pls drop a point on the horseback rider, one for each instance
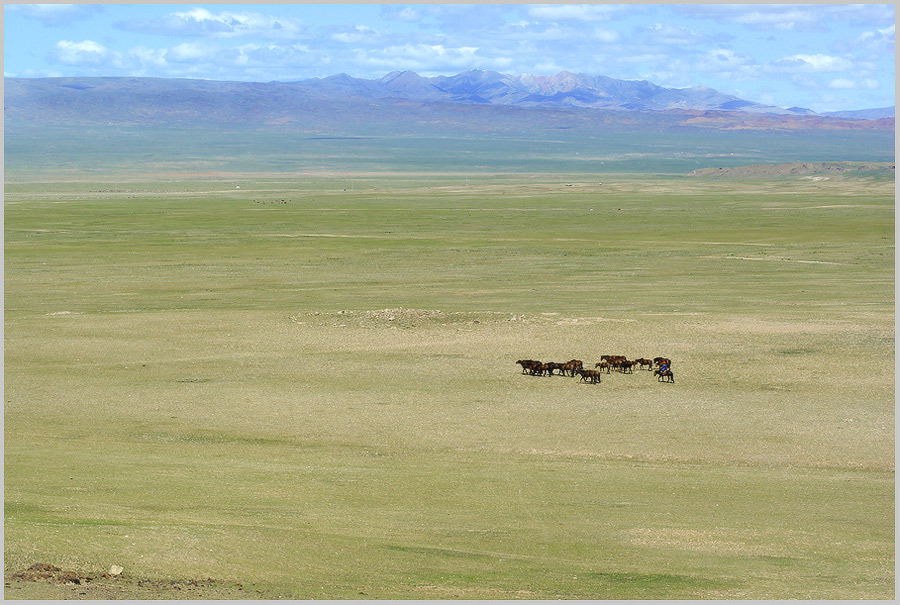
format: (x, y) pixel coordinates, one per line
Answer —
(664, 367)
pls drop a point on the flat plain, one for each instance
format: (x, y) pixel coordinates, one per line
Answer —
(304, 385)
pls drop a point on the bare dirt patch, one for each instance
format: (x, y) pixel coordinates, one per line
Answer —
(402, 318)
(44, 572)
(758, 326)
(46, 581)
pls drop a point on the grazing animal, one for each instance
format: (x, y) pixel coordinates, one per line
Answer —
(603, 365)
(664, 376)
(540, 369)
(658, 361)
(551, 365)
(592, 376)
(572, 366)
(643, 361)
(620, 364)
(525, 363)
(528, 365)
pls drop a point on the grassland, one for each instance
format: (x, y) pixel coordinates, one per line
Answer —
(307, 385)
(582, 147)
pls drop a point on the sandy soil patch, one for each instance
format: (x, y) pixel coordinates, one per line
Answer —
(776, 259)
(698, 540)
(760, 326)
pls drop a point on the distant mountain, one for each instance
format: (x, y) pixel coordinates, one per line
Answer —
(565, 89)
(863, 114)
(476, 99)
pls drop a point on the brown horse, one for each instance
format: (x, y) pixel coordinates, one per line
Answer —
(664, 376)
(592, 376)
(526, 364)
(602, 365)
(572, 366)
(552, 365)
(541, 369)
(643, 361)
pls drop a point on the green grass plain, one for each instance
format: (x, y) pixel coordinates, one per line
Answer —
(308, 384)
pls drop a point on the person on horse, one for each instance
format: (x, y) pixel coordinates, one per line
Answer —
(663, 367)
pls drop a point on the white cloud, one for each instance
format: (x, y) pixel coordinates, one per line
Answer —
(39, 73)
(812, 64)
(668, 79)
(880, 40)
(790, 17)
(144, 57)
(847, 84)
(871, 84)
(547, 66)
(726, 64)
(358, 34)
(540, 33)
(259, 62)
(669, 35)
(225, 24)
(723, 58)
(189, 51)
(86, 52)
(55, 14)
(400, 13)
(778, 17)
(842, 83)
(778, 20)
(575, 12)
(420, 57)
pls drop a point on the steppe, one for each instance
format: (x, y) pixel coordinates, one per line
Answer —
(303, 385)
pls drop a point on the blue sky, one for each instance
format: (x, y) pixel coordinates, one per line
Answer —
(826, 57)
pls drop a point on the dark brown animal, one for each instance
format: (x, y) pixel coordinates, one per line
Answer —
(592, 376)
(551, 365)
(526, 364)
(541, 369)
(572, 366)
(665, 376)
(532, 366)
(620, 364)
(643, 361)
(602, 365)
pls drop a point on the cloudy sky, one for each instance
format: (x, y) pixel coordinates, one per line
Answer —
(825, 57)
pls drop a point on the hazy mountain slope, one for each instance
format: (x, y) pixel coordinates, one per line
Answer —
(863, 114)
(400, 101)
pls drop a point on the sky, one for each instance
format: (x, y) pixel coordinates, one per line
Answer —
(824, 57)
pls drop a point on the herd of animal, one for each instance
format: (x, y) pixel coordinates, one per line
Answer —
(607, 363)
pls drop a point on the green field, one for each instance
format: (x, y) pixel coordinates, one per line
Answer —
(580, 147)
(306, 384)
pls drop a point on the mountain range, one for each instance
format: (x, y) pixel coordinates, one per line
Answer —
(336, 99)
(565, 89)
